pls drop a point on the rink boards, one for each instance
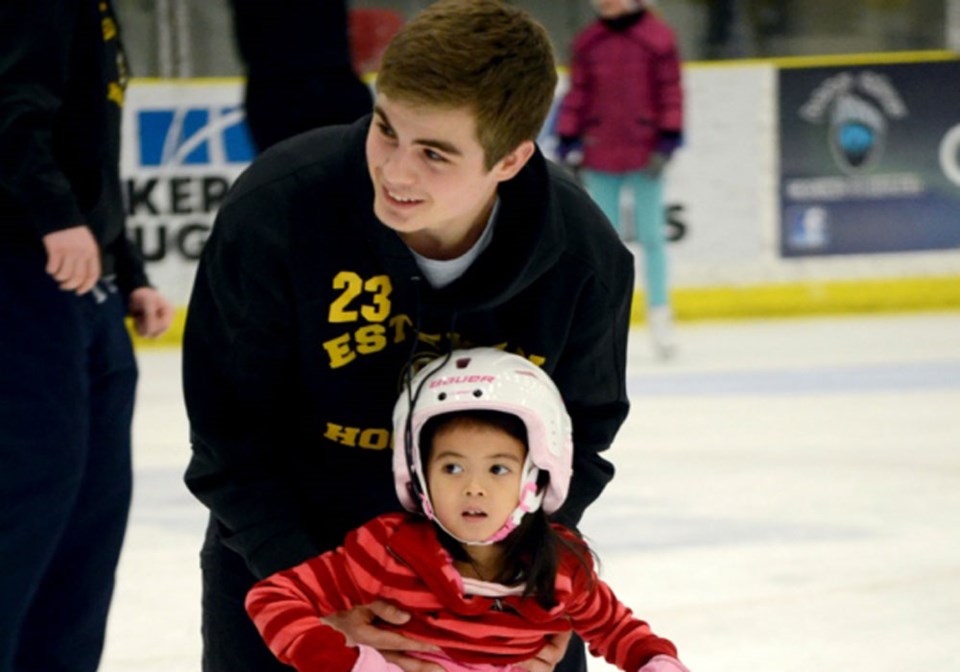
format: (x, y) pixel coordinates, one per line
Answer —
(767, 214)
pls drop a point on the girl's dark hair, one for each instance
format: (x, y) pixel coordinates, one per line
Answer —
(533, 550)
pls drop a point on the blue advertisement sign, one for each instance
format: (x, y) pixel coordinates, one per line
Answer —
(869, 158)
(193, 136)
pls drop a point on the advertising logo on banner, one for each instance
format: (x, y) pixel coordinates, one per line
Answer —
(183, 148)
(185, 136)
(870, 159)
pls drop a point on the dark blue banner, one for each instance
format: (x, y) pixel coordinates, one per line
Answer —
(869, 158)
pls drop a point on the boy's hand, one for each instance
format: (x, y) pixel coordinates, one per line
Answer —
(73, 258)
(359, 627)
(549, 655)
(152, 313)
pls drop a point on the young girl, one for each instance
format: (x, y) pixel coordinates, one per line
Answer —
(624, 115)
(486, 455)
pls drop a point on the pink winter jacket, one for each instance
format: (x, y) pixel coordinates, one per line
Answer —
(624, 92)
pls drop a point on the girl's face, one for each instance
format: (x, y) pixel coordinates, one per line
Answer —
(473, 476)
(611, 9)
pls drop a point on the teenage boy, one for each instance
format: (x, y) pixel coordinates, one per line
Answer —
(348, 254)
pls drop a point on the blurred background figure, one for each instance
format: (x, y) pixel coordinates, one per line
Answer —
(298, 65)
(621, 122)
(370, 31)
(68, 276)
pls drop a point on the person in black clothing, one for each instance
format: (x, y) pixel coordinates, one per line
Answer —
(68, 276)
(299, 74)
(346, 256)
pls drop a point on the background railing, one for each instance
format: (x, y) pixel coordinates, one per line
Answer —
(179, 38)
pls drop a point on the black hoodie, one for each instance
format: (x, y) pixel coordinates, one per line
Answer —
(306, 310)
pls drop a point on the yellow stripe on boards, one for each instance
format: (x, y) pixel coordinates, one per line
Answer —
(810, 298)
(833, 60)
(756, 301)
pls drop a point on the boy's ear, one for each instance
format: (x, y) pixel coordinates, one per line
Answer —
(511, 164)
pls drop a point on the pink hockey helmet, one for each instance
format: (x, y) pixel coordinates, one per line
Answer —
(493, 380)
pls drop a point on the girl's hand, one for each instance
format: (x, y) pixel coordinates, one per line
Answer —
(664, 663)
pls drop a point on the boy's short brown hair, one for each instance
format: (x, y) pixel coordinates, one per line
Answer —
(485, 55)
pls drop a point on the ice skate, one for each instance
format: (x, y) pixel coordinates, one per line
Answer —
(660, 321)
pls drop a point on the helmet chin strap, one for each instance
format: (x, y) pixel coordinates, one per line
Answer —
(530, 501)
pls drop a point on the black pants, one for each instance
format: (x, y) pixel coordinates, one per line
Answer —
(231, 643)
(278, 108)
(67, 383)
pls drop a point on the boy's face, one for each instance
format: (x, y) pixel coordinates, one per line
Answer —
(430, 183)
(473, 476)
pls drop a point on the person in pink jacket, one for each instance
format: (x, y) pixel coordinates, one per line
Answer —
(620, 123)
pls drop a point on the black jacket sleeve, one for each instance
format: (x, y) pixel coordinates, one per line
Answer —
(591, 376)
(36, 49)
(240, 385)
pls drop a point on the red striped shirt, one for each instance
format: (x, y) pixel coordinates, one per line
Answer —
(398, 558)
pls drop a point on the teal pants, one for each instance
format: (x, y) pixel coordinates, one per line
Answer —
(648, 220)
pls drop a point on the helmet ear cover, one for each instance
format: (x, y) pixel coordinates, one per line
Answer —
(486, 379)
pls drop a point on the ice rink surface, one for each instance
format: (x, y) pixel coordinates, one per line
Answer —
(787, 499)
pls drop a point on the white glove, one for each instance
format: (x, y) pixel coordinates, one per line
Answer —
(663, 663)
